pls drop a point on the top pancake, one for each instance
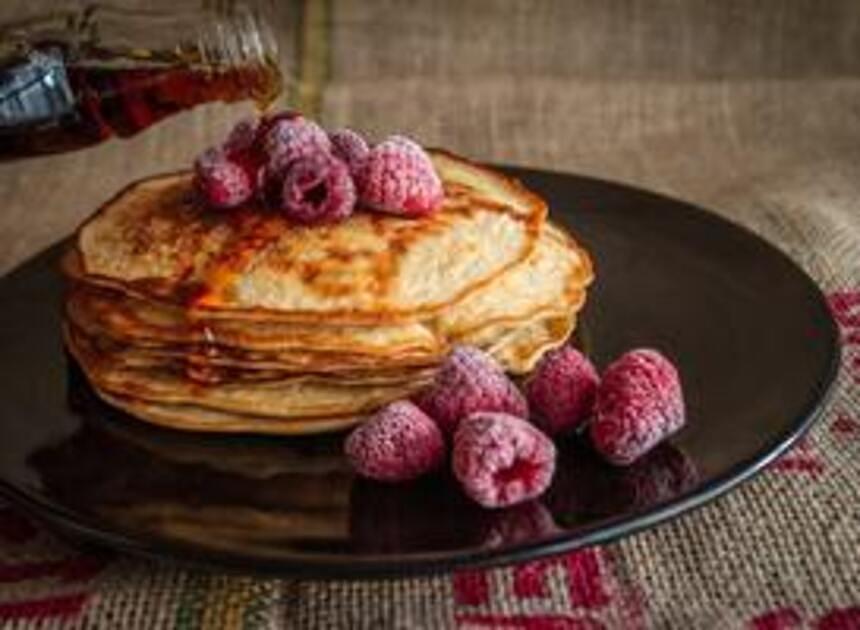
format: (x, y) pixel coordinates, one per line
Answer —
(153, 241)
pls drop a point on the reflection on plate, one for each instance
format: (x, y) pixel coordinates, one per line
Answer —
(300, 494)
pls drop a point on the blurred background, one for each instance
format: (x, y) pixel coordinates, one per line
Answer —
(752, 108)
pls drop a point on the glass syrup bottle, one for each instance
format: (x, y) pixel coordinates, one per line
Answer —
(75, 78)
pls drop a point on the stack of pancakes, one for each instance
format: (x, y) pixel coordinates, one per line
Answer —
(241, 321)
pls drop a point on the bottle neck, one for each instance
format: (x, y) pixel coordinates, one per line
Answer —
(237, 36)
(240, 39)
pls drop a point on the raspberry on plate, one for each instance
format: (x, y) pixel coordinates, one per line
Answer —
(639, 404)
(221, 181)
(317, 189)
(289, 138)
(398, 177)
(469, 380)
(398, 443)
(562, 390)
(350, 147)
(502, 460)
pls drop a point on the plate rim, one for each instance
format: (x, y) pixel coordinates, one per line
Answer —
(379, 566)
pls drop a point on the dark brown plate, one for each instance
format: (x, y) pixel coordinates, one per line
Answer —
(751, 334)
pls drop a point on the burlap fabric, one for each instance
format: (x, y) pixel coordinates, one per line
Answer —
(749, 108)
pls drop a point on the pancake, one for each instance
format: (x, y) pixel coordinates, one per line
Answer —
(524, 348)
(287, 398)
(208, 370)
(219, 364)
(555, 275)
(240, 321)
(200, 419)
(218, 356)
(186, 417)
(153, 241)
(146, 323)
(304, 397)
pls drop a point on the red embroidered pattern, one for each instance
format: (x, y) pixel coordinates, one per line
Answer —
(63, 606)
(592, 598)
(846, 310)
(780, 619)
(792, 619)
(800, 459)
(42, 586)
(844, 425)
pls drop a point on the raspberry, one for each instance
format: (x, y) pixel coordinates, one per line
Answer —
(350, 147)
(562, 389)
(222, 181)
(289, 138)
(398, 177)
(399, 443)
(241, 147)
(318, 189)
(502, 460)
(468, 381)
(267, 122)
(639, 403)
(241, 138)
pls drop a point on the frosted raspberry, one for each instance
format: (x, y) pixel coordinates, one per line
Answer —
(291, 138)
(469, 380)
(350, 147)
(639, 403)
(268, 121)
(317, 189)
(397, 444)
(562, 389)
(241, 147)
(241, 138)
(398, 177)
(502, 460)
(221, 181)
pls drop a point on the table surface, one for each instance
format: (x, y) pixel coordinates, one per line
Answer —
(746, 108)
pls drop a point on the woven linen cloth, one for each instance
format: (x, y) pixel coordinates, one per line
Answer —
(751, 109)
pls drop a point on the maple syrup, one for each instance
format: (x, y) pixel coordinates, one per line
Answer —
(62, 90)
(109, 100)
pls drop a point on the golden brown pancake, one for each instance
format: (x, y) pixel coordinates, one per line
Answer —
(154, 241)
(242, 322)
(553, 276)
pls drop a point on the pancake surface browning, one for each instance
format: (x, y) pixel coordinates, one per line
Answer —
(251, 263)
(240, 321)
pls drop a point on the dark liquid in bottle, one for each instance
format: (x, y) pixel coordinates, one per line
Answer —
(77, 103)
